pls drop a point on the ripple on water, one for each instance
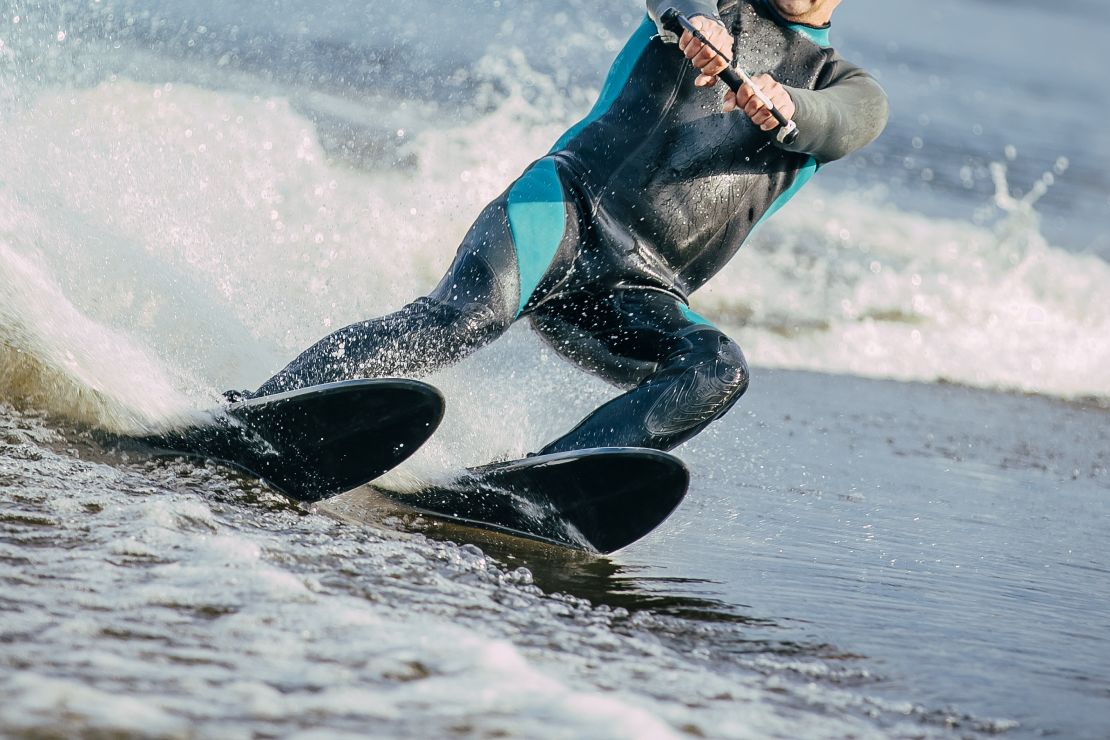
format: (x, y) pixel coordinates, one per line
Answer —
(167, 599)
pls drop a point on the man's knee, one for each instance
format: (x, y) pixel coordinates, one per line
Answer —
(704, 380)
(477, 321)
(720, 362)
(718, 373)
(474, 297)
(458, 323)
(732, 368)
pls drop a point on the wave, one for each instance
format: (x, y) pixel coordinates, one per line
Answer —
(847, 283)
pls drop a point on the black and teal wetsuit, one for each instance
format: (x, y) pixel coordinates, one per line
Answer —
(600, 242)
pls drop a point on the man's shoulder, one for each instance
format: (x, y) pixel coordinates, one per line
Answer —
(837, 69)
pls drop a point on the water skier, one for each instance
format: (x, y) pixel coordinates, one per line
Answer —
(600, 242)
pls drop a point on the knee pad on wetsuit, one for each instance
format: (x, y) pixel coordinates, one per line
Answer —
(477, 318)
(466, 322)
(713, 351)
(711, 375)
(474, 290)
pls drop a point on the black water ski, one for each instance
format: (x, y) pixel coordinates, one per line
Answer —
(601, 499)
(315, 442)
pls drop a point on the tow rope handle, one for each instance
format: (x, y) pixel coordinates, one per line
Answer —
(734, 77)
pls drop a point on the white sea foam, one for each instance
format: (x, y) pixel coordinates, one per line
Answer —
(162, 242)
(844, 283)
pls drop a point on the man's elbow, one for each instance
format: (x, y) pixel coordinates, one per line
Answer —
(876, 118)
(857, 130)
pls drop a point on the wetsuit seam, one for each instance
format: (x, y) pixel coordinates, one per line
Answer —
(596, 201)
(497, 282)
(669, 292)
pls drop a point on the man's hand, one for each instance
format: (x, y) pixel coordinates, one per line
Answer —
(704, 59)
(754, 108)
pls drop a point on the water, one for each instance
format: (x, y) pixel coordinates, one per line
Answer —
(190, 193)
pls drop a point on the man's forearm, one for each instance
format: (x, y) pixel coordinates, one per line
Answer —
(689, 8)
(837, 120)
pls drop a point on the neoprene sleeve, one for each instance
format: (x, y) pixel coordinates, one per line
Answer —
(847, 114)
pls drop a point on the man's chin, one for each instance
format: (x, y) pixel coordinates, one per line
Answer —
(794, 9)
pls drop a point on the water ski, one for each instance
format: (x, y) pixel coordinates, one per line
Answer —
(598, 500)
(315, 442)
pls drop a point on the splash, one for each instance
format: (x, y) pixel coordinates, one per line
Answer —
(55, 358)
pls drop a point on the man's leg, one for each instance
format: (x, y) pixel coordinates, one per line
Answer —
(473, 304)
(687, 372)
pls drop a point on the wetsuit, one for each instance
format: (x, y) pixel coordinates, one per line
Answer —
(600, 242)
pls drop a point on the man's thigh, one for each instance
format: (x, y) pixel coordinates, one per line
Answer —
(622, 335)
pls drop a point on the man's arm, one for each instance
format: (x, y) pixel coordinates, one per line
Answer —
(689, 8)
(845, 115)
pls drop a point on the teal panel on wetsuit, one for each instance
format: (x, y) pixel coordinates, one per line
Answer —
(804, 174)
(536, 205)
(819, 36)
(615, 80)
(693, 316)
(537, 218)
